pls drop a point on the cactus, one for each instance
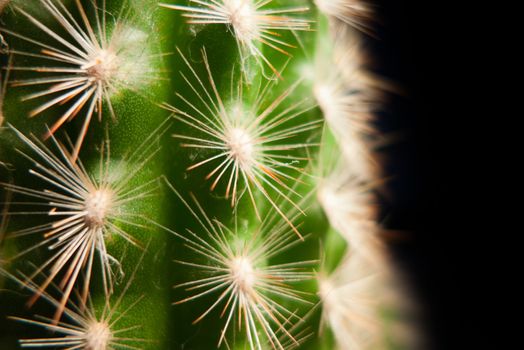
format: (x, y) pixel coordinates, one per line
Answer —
(191, 175)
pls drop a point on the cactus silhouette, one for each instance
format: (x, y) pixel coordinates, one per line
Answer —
(191, 174)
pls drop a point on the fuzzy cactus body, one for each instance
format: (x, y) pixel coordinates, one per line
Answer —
(190, 175)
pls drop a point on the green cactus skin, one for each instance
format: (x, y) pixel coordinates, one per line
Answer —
(307, 179)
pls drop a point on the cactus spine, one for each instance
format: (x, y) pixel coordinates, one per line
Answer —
(224, 147)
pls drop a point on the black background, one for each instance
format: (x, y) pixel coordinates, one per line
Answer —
(416, 46)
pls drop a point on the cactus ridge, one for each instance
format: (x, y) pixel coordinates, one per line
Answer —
(85, 210)
(356, 13)
(249, 286)
(252, 144)
(252, 23)
(86, 68)
(82, 327)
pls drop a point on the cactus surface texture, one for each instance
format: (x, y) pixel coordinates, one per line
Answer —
(191, 174)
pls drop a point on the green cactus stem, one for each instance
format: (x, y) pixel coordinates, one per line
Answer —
(190, 175)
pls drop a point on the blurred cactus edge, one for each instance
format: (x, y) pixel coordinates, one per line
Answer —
(193, 174)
